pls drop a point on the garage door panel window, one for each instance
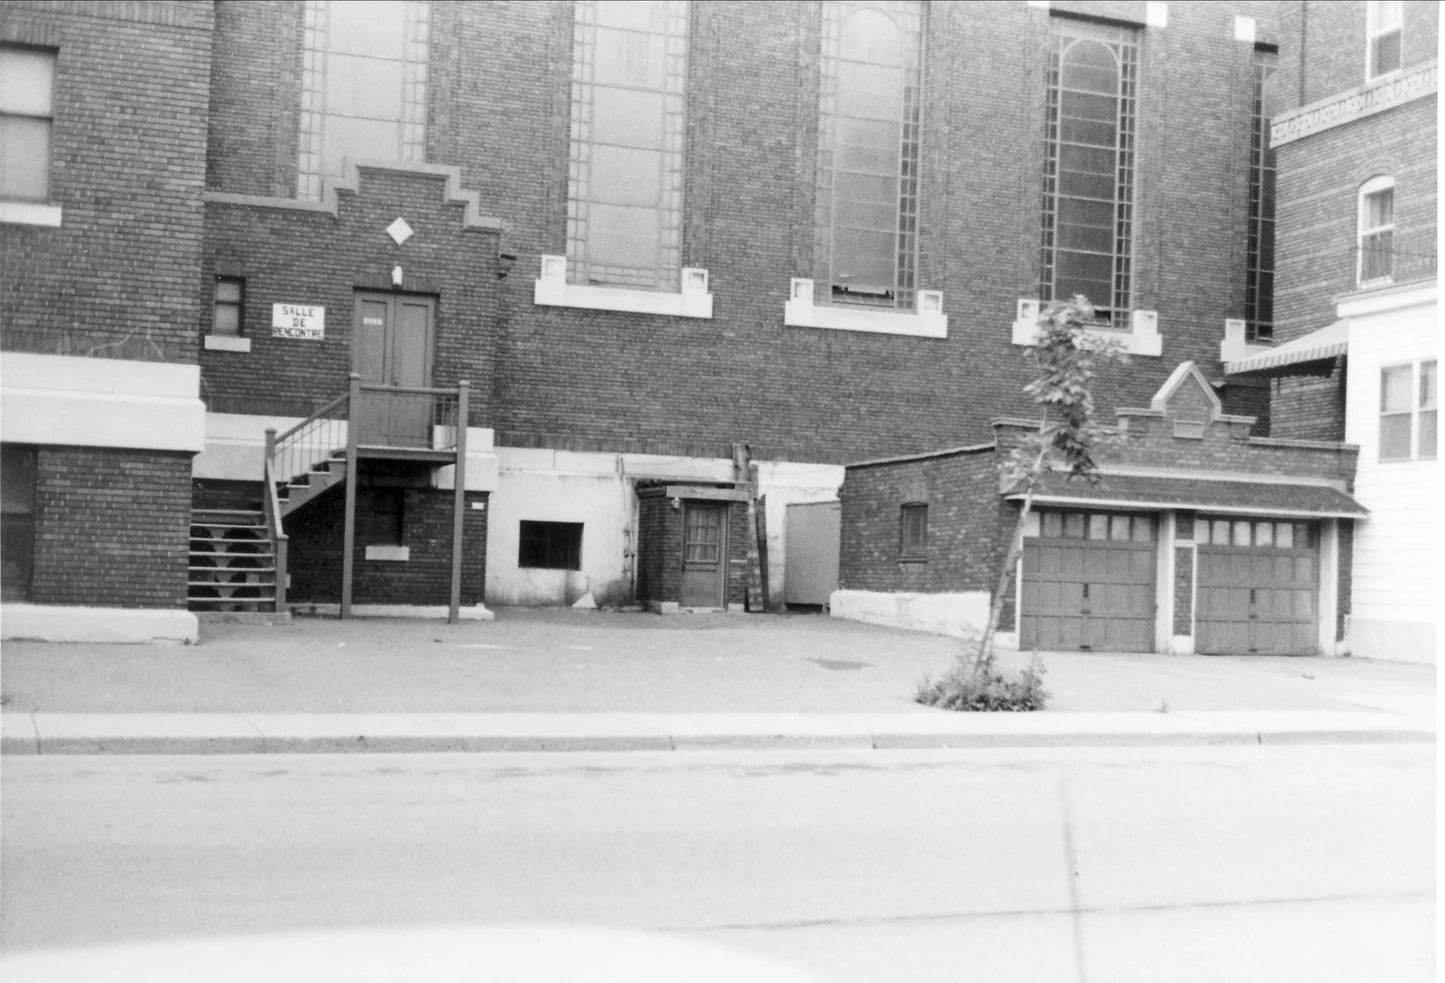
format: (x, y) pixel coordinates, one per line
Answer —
(1276, 535)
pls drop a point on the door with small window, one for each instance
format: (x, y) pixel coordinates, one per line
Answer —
(1258, 587)
(1088, 582)
(704, 554)
(392, 342)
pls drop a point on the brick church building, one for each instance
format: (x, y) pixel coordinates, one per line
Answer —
(421, 306)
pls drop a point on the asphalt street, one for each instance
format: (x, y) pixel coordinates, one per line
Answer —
(1243, 863)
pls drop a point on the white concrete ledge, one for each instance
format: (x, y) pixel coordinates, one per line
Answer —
(1141, 338)
(226, 343)
(928, 321)
(420, 612)
(61, 623)
(29, 213)
(101, 402)
(551, 289)
(958, 614)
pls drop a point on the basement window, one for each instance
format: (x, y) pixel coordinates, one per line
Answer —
(17, 520)
(550, 545)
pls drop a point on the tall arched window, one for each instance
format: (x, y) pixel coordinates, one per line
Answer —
(1375, 237)
(868, 150)
(1089, 176)
(1259, 282)
(625, 177)
(363, 86)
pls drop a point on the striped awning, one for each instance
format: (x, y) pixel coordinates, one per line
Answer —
(1326, 343)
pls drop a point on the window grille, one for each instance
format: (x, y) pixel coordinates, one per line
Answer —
(1259, 282)
(628, 129)
(1087, 241)
(363, 86)
(869, 135)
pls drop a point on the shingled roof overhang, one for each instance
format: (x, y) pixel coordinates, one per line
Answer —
(1282, 498)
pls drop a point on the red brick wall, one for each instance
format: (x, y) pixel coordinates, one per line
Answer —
(307, 257)
(1184, 591)
(673, 384)
(968, 525)
(117, 278)
(613, 381)
(317, 535)
(1322, 54)
(255, 88)
(112, 527)
(1330, 35)
(659, 537)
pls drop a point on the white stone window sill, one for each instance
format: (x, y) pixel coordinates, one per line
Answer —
(226, 343)
(551, 289)
(928, 321)
(1234, 346)
(1142, 338)
(395, 554)
(29, 213)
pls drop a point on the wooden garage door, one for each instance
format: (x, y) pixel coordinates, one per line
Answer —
(1258, 587)
(1088, 583)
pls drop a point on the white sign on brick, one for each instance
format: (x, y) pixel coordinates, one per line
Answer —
(298, 321)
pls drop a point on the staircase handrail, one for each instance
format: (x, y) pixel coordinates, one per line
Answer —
(280, 542)
(377, 387)
(319, 414)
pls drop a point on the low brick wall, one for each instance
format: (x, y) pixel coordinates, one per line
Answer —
(112, 527)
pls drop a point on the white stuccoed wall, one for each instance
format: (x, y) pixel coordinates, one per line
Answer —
(599, 491)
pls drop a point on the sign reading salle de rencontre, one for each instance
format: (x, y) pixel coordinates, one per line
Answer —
(298, 321)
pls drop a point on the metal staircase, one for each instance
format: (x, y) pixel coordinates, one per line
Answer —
(238, 557)
(232, 562)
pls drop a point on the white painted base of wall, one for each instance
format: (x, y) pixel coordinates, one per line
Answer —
(134, 626)
(956, 614)
(1181, 645)
(673, 607)
(420, 612)
(1392, 641)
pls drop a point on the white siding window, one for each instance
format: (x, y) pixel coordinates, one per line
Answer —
(1384, 27)
(1409, 404)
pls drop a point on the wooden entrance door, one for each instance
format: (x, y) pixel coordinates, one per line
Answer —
(704, 554)
(392, 340)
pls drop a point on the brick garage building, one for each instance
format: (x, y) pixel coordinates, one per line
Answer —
(105, 108)
(1199, 538)
(1356, 345)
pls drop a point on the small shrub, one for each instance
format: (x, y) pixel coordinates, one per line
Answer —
(963, 688)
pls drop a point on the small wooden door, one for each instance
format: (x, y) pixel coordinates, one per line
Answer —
(392, 340)
(704, 554)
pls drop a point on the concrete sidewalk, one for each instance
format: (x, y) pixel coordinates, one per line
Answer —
(259, 733)
(559, 679)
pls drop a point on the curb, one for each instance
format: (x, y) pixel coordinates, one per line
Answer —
(191, 733)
